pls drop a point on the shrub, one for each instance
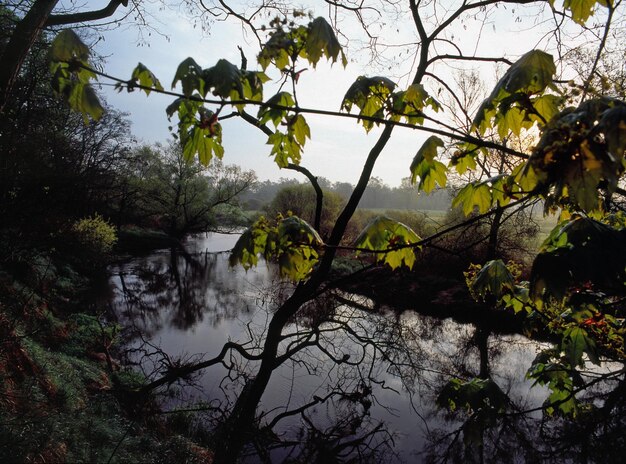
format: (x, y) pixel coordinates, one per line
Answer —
(95, 234)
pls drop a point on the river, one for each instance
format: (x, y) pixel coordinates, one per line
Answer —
(375, 365)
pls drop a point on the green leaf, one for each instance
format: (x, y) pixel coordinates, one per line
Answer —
(547, 106)
(428, 150)
(276, 115)
(223, 78)
(529, 75)
(322, 41)
(581, 9)
(250, 245)
(370, 95)
(67, 46)
(464, 158)
(299, 129)
(144, 77)
(297, 248)
(513, 121)
(83, 99)
(383, 233)
(492, 279)
(189, 74)
(472, 196)
(576, 341)
(409, 104)
(424, 166)
(202, 142)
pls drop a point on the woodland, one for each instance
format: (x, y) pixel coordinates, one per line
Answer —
(503, 139)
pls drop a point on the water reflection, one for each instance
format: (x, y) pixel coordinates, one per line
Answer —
(356, 380)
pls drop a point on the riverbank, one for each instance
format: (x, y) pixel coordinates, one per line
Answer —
(63, 395)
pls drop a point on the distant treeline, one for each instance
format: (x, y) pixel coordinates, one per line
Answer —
(377, 195)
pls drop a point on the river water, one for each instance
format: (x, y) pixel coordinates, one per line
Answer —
(380, 369)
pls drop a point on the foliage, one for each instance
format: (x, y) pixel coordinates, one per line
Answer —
(383, 234)
(95, 234)
(292, 242)
(300, 200)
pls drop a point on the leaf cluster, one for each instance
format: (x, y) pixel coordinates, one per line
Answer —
(292, 243)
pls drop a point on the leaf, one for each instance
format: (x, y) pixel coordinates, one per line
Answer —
(426, 168)
(251, 243)
(67, 46)
(189, 74)
(428, 150)
(202, 142)
(472, 196)
(369, 94)
(492, 279)
(280, 47)
(253, 85)
(322, 41)
(83, 99)
(299, 129)
(581, 9)
(570, 255)
(409, 104)
(463, 158)
(513, 121)
(267, 113)
(530, 75)
(297, 248)
(576, 341)
(383, 233)
(547, 106)
(223, 78)
(144, 77)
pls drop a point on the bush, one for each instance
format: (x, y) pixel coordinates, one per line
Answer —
(300, 199)
(95, 235)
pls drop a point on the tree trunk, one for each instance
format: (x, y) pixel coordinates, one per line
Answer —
(22, 39)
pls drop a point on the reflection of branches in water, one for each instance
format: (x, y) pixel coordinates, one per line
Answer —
(180, 290)
(524, 432)
(343, 351)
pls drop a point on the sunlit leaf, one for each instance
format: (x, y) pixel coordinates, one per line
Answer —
(144, 77)
(297, 248)
(494, 278)
(369, 94)
(530, 75)
(547, 106)
(270, 113)
(581, 9)
(384, 233)
(83, 99)
(321, 41)
(473, 196)
(67, 46)
(424, 166)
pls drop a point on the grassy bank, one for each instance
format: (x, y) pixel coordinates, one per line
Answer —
(62, 393)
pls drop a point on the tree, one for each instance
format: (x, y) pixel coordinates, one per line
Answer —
(55, 168)
(300, 200)
(29, 20)
(183, 197)
(576, 165)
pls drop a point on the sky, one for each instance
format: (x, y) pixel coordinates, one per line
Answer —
(338, 146)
